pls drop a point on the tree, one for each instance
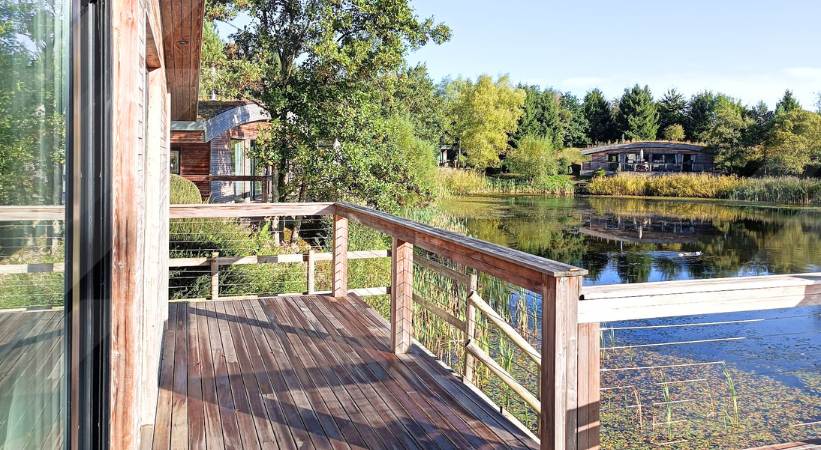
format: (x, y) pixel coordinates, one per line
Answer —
(794, 143)
(223, 76)
(482, 114)
(638, 118)
(672, 109)
(700, 114)
(761, 123)
(541, 116)
(674, 132)
(598, 115)
(320, 60)
(788, 103)
(575, 126)
(725, 136)
(818, 103)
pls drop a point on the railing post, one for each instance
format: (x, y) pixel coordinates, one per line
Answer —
(560, 297)
(340, 257)
(470, 326)
(588, 426)
(401, 295)
(215, 275)
(311, 270)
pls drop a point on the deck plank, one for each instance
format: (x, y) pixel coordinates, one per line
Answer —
(309, 372)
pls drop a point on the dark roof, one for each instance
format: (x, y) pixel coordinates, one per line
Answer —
(646, 145)
(212, 108)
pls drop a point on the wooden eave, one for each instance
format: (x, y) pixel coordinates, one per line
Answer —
(182, 44)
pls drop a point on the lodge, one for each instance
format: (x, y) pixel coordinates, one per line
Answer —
(648, 157)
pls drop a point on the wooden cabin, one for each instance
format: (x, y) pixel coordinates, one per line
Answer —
(214, 151)
(648, 157)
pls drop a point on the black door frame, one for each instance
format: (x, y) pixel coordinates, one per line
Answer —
(88, 227)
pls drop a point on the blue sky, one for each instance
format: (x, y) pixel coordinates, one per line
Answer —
(750, 49)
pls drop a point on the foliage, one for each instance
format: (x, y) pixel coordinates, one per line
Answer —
(541, 115)
(322, 61)
(700, 113)
(454, 182)
(725, 135)
(674, 132)
(575, 124)
(788, 103)
(533, 159)
(672, 110)
(482, 114)
(32, 108)
(638, 118)
(224, 76)
(183, 191)
(794, 143)
(597, 112)
(780, 190)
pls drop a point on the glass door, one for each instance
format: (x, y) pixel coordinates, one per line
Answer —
(34, 68)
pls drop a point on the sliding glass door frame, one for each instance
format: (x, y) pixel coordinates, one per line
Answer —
(88, 227)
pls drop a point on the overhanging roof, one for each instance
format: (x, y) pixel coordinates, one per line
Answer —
(182, 43)
(645, 145)
(222, 122)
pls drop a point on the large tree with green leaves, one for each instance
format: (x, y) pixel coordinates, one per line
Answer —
(223, 75)
(725, 136)
(320, 60)
(597, 111)
(700, 114)
(794, 143)
(482, 115)
(788, 103)
(575, 126)
(672, 110)
(541, 115)
(638, 118)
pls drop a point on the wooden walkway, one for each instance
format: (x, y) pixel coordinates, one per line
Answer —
(310, 372)
(31, 371)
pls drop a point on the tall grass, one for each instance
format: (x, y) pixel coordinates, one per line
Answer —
(466, 182)
(802, 191)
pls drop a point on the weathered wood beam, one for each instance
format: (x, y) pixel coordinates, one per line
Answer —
(234, 210)
(340, 257)
(401, 295)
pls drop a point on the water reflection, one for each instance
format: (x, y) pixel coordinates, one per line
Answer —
(640, 240)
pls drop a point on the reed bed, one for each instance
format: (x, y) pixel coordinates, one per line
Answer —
(467, 182)
(788, 190)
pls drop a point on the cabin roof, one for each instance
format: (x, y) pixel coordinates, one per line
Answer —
(646, 145)
(217, 118)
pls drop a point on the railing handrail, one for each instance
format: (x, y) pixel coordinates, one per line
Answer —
(688, 297)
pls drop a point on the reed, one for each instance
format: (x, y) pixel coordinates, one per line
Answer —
(791, 190)
(466, 182)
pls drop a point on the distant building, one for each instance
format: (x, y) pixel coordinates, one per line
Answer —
(648, 156)
(214, 151)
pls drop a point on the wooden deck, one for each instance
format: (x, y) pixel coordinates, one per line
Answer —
(31, 370)
(310, 372)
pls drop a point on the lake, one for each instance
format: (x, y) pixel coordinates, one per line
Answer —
(701, 381)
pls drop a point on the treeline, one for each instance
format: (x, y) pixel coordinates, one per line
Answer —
(352, 120)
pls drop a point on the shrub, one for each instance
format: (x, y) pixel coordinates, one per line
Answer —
(183, 191)
(674, 132)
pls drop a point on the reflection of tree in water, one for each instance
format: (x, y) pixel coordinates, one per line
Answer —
(713, 240)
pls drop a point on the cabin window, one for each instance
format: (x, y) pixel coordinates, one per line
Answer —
(612, 157)
(174, 161)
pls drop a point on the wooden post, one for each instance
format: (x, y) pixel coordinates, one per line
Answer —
(311, 270)
(401, 295)
(560, 297)
(470, 326)
(340, 257)
(589, 382)
(215, 275)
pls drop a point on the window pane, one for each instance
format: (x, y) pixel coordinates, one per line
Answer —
(33, 76)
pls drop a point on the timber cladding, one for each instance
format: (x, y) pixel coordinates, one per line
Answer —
(195, 165)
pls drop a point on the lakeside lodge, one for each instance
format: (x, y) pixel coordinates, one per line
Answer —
(649, 157)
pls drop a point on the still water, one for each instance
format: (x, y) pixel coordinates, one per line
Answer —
(701, 381)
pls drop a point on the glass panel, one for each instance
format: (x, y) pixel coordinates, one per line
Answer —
(175, 162)
(33, 100)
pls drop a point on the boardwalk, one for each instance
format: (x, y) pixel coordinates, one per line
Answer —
(309, 372)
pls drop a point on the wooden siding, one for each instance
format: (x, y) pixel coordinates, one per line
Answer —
(310, 372)
(195, 165)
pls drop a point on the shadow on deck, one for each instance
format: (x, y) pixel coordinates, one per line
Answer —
(310, 372)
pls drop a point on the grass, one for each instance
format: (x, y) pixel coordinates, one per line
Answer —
(454, 182)
(787, 190)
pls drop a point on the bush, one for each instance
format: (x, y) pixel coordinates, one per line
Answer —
(772, 189)
(184, 191)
